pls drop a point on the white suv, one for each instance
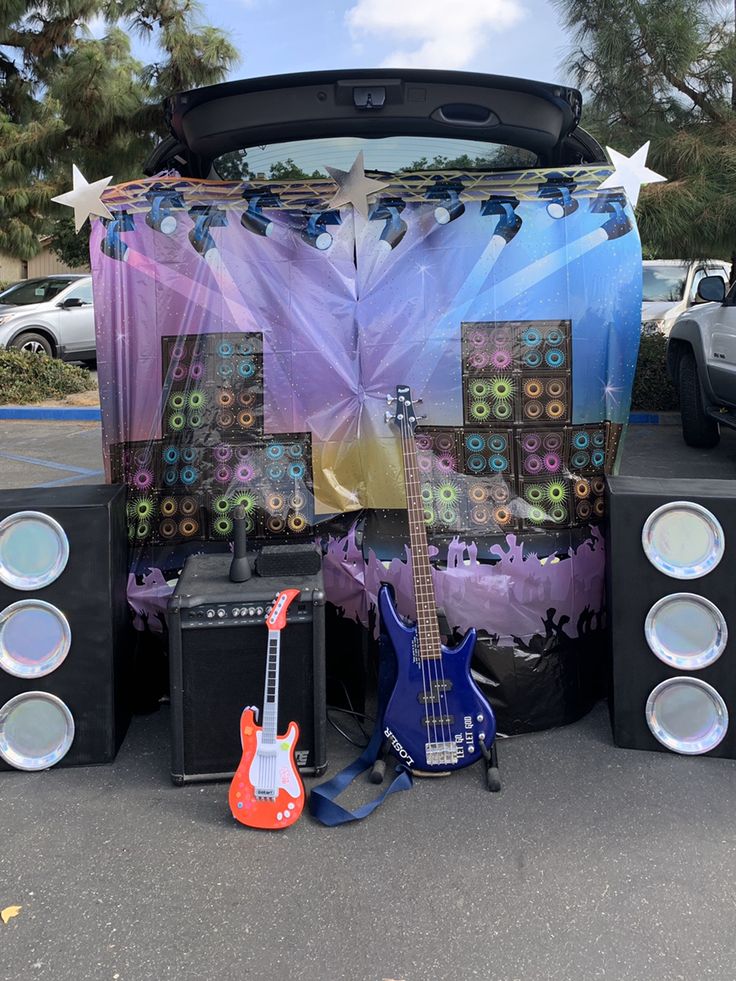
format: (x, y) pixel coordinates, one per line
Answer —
(701, 360)
(670, 287)
(53, 315)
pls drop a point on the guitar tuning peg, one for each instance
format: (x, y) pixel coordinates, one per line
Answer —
(421, 417)
(418, 401)
(390, 399)
(388, 416)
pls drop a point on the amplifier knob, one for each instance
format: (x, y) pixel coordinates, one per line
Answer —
(210, 614)
(236, 612)
(259, 611)
(251, 611)
(221, 613)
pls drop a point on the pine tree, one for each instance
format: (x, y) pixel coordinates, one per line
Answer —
(66, 96)
(664, 70)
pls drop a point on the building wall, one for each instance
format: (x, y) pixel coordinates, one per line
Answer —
(46, 263)
(10, 269)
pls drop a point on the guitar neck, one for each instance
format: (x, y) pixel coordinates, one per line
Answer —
(271, 689)
(427, 627)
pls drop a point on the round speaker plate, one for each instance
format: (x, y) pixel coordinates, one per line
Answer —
(35, 637)
(687, 715)
(686, 631)
(683, 540)
(36, 730)
(34, 550)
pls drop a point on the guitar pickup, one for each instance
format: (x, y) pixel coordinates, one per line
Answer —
(433, 695)
(438, 720)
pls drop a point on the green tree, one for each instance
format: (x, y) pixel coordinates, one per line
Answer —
(664, 70)
(66, 96)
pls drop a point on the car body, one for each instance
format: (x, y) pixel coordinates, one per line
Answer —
(51, 315)
(396, 116)
(670, 287)
(701, 360)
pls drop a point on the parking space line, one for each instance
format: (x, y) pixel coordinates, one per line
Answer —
(69, 480)
(51, 464)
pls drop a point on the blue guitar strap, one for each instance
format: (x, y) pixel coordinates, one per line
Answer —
(322, 803)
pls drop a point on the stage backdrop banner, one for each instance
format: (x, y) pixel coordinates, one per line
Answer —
(248, 336)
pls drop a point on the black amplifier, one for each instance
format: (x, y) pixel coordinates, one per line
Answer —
(217, 661)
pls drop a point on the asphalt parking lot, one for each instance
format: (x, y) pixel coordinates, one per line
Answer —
(593, 862)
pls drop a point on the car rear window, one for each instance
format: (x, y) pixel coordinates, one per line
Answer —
(304, 159)
(34, 291)
(663, 284)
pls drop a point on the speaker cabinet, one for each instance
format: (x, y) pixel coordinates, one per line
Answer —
(671, 567)
(217, 659)
(64, 642)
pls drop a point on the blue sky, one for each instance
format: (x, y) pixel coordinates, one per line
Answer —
(505, 37)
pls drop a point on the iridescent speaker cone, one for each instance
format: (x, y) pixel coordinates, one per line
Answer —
(683, 540)
(35, 637)
(34, 550)
(686, 631)
(36, 730)
(687, 715)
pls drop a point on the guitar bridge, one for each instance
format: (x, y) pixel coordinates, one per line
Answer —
(264, 794)
(441, 754)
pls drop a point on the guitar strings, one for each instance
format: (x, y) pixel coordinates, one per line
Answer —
(411, 488)
(439, 668)
(409, 451)
(267, 761)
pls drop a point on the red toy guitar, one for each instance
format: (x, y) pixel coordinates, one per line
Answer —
(267, 790)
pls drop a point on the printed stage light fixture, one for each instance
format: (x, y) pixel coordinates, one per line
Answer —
(504, 207)
(253, 218)
(449, 206)
(205, 218)
(315, 233)
(389, 210)
(619, 223)
(112, 245)
(558, 190)
(161, 217)
(671, 556)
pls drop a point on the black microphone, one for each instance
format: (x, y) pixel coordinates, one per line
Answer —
(240, 566)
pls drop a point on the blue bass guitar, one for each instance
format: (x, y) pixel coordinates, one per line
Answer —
(436, 719)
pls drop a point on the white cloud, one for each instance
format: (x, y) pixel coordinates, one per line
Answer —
(432, 33)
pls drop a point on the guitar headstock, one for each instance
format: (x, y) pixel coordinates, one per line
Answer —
(404, 415)
(276, 613)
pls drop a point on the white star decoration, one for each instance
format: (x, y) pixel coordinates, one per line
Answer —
(631, 172)
(86, 199)
(353, 187)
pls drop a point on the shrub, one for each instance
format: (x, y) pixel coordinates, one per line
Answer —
(28, 378)
(653, 389)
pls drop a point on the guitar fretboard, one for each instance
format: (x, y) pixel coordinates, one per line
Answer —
(427, 627)
(271, 689)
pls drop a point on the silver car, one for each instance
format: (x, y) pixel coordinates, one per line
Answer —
(52, 315)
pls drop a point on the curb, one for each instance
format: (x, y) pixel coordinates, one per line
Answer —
(73, 413)
(654, 419)
(92, 414)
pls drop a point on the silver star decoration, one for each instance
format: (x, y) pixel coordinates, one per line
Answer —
(353, 187)
(631, 172)
(85, 198)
